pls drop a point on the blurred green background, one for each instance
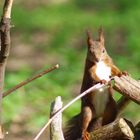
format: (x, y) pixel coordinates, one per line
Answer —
(53, 31)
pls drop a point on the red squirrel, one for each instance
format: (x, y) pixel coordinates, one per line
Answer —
(98, 107)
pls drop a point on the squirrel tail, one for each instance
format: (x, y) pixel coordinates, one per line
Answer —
(72, 131)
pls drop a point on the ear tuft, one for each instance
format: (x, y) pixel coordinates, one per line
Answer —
(101, 35)
(90, 41)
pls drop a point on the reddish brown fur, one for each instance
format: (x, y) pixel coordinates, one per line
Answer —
(89, 120)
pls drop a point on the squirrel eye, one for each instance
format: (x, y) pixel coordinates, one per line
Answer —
(103, 50)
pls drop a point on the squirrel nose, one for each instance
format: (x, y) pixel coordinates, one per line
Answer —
(97, 60)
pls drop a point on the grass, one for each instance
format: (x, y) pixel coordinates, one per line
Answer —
(64, 26)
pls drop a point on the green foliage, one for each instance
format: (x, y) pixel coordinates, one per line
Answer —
(65, 25)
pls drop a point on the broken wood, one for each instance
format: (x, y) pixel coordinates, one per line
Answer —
(56, 132)
(129, 88)
(117, 130)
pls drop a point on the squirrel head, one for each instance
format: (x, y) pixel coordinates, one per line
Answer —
(96, 48)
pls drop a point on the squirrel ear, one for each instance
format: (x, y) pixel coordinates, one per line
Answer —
(90, 41)
(101, 35)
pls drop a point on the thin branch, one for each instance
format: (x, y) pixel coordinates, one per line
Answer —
(67, 105)
(122, 104)
(27, 81)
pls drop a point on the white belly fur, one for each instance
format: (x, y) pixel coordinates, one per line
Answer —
(101, 96)
(103, 71)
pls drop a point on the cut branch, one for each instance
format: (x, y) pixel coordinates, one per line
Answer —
(117, 130)
(128, 87)
(56, 132)
(27, 81)
(4, 47)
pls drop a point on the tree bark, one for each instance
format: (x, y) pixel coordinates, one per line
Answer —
(4, 49)
(129, 88)
(117, 130)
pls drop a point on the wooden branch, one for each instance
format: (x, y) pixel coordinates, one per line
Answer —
(67, 105)
(117, 130)
(128, 87)
(56, 132)
(27, 81)
(5, 31)
(7, 8)
(122, 103)
(4, 47)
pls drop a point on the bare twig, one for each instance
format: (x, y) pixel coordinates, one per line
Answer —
(4, 47)
(67, 105)
(27, 81)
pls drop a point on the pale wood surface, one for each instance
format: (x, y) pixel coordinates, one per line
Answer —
(128, 87)
(56, 125)
(117, 130)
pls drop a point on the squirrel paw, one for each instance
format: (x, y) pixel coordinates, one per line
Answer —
(125, 73)
(85, 136)
(103, 81)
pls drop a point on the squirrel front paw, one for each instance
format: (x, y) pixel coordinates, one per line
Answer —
(125, 73)
(85, 136)
(102, 81)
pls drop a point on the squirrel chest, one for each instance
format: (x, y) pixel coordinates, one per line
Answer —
(102, 71)
(100, 96)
